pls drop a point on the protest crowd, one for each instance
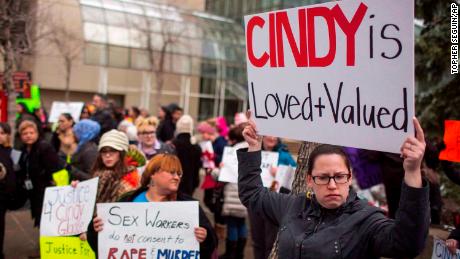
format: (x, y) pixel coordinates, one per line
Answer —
(167, 157)
(104, 181)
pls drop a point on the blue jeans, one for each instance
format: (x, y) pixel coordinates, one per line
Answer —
(236, 228)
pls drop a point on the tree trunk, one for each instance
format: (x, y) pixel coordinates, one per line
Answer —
(299, 184)
(68, 71)
(8, 84)
(160, 74)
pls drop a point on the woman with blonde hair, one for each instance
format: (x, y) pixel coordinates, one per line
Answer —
(38, 162)
(148, 142)
(160, 182)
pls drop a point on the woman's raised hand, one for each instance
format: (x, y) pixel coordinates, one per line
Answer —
(412, 151)
(74, 183)
(250, 134)
(200, 234)
(98, 224)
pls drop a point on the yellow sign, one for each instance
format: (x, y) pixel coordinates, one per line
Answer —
(61, 177)
(65, 248)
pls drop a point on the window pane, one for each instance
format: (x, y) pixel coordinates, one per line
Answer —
(208, 85)
(96, 3)
(140, 59)
(205, 109)
(133, 8)
(91, 14)
(137, 21)
(196, 66)
(116, 18)
(152, 12)
(156, 41)
(154, 24)
(181, 64)
(95, 32)
(190, 31)
(118, 56)
(209, 69)
(230, 53)
(118, 36)
(113, 5)
(208, 49)
(165, 57)
(95, 54)
(137, 38)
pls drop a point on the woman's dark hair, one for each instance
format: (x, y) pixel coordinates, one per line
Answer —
(325, 149)
(68, 117)
(120, 168)
(24, 108)
(236, 133)
(7, 130)
(136, 111)
(5, 127)
(431, 155)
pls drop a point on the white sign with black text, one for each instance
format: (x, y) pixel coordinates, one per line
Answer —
(340, 72)
(440, 250)
(68, 211)
(149, 230)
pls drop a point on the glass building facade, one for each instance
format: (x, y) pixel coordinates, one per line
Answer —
(142, 35)
(236, 9)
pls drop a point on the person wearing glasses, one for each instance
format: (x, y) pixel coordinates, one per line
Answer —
(159, 183)
(148, 142)
(334, 222)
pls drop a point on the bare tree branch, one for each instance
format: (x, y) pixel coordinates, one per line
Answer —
(158, 44)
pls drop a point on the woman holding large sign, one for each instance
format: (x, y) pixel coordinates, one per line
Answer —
(160, 183)
(333, 222)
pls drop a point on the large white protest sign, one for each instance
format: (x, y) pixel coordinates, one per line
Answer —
(440, 250)
(285, 176)
(150, 230)
(229, 171)
(66, 210)
(58, 108)
(339, 72)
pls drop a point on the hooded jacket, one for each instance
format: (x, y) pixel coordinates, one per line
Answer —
(355, 230)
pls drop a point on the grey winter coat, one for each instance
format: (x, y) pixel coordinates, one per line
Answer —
(355, 230)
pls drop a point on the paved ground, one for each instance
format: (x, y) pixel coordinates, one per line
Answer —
(21, 239)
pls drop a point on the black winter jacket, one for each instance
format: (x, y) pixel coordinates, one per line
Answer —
(455, 234)
(355, 230)
(83, 161)
(8, 183)
(105, 120)
(39, 165)
(190, 159)
(207, 247)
